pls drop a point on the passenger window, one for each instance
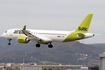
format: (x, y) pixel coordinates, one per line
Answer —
(29, 31)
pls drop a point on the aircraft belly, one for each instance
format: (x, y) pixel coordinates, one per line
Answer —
(57, 38)
(11, 37)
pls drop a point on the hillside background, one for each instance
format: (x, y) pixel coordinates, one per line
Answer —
(66, 53)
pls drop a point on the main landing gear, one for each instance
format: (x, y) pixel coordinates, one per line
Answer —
(37, 45)
(9, 41)
(50, 45)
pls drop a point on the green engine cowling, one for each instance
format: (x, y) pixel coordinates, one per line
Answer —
(22, 39)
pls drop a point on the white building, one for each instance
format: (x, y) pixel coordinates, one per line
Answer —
(102, 61)
(52, 67)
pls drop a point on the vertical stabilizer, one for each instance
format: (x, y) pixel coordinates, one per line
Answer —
(84, 26)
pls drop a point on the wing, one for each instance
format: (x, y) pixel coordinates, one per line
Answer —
(35, 37)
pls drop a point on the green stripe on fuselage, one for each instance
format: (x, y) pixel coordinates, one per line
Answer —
(72, 37)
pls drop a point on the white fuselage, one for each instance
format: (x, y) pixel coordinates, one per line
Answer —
(56, 36)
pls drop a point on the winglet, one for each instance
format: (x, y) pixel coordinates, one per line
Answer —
(24, 28)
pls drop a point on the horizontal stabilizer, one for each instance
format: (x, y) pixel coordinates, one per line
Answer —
(87, 35)
(80, 34)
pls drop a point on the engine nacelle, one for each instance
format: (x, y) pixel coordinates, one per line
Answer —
(88, 35)
(22, 39)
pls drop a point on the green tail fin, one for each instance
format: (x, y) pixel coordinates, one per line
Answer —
(84, 26)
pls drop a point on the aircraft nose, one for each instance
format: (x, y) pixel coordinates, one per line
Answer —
(3, 35)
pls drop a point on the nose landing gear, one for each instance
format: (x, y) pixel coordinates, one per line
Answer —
(9, 41)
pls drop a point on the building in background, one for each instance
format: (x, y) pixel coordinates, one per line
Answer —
(102, 61)
(53, 67)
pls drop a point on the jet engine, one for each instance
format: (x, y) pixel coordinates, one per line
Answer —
(22, 39)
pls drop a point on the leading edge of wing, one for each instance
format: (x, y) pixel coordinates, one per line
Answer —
(35, 37)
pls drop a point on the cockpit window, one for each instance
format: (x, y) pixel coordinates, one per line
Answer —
(5, 31)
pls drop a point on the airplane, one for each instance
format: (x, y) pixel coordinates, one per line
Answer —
(48, 36)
